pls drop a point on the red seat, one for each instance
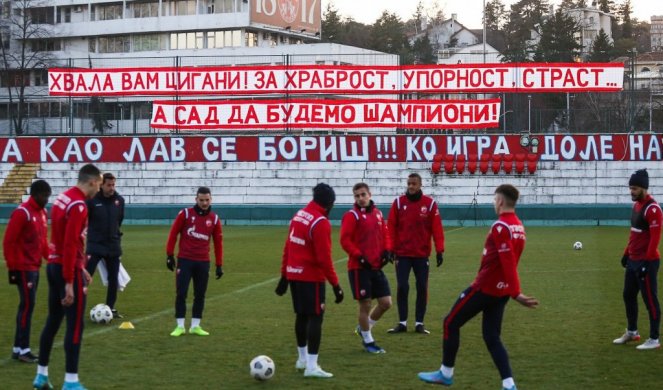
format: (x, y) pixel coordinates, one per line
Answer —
(532, 161)
(436, 167)
(508, 163)
(520, 163)
(438, 157)
(460, 163)
(449, 164)
(483, 163)
(495, 165)
(472, 163)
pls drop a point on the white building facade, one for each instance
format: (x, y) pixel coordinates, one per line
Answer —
(147, 33)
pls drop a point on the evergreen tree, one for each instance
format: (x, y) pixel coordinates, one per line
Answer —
(332, 25)
(567, 4)
(581, 4)
(525, 16)
(606, 6)
(422, 51)
(388, 36)
(625, 15)
(601, 48)
(558, 43)
(496, 15)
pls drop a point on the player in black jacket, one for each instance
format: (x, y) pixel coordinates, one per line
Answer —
(106, 212)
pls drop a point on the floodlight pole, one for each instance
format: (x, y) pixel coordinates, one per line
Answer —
(529, 113)
(484, 31)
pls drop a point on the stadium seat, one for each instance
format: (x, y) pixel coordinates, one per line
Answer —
(520, 163)
(532, 161)
(460, 163)
(497, 161)
(449, 164)
(436, 167)
(472, 163)
(439, 157)
(483, 163)
(507, 166)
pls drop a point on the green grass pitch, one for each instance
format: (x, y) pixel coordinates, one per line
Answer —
(564, 344)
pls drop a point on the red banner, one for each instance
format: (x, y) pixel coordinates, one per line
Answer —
(402, 148)
(324, 114)
(318, 79)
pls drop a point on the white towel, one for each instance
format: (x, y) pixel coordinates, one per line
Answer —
(123, 277)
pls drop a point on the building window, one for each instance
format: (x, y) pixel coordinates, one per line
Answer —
(107, 12)
(251, 39)
(147, 42)
(5, 9)
(64, 15)
(115, 44)
(46, 45)
(143, 110)
(41, 77)
(4, 37)
(42, 15)
(146, 9)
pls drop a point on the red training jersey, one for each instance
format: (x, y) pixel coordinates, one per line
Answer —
(307, 251)
(26, 238)
(364, 233)
(412, 224)
(68, 231)
(645, 230)
(196, 230)
(498, 274)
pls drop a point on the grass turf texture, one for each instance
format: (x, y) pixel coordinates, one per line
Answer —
(564, 344)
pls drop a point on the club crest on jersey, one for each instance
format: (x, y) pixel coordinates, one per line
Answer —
(117, 202)
(30, 285)
(424, 209)
(208, 223)
(322, 307)
(362, 292)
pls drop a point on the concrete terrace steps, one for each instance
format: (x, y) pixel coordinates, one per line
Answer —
(15, 185)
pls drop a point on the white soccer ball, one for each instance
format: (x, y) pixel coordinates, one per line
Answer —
(101, 314)
(262, 367)
(577, 245)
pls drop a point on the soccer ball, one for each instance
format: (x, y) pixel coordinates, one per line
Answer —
(262, 367)
(577, 245)
(101, 314)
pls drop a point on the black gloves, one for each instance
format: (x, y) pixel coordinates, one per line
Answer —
(624, 260)
(364, 263)
(219, 272)
(282, 287)
(338, 293)
(14, 277)
(170, 262)
(387, 257)
(440, 258)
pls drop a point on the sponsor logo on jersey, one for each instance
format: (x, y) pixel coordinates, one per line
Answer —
(193, 233)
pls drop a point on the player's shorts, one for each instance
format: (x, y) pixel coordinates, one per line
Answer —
(308, 297)
(367, 284)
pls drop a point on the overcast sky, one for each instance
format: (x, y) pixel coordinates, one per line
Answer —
(468, 11)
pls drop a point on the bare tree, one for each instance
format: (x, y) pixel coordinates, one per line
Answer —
(23, 51)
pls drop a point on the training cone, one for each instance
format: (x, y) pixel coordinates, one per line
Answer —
(126, 325)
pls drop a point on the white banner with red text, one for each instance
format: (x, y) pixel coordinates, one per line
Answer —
(342, 79)
(398, 148)
(324, 114)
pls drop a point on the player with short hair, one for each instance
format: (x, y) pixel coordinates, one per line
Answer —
(67, 277)
(25, 244)
(496, 281)
(641, 261)
(306, 265)
(413, 220)
(105, 216)
(196, 226)
(364, 237)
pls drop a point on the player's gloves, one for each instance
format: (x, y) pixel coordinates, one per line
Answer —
(282, 287)
(364, 263)
(440, 258)
(219, 272)
(170, 262)
(387, 257)
(338, 293)
(624, 260)
(14, 277)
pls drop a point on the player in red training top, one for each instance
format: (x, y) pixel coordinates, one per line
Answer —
(24, 245)
(67, 277)
(196, 226)
(496, 281)
(364, 237)
(642, 260)
(413, 220)
(306, 265)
